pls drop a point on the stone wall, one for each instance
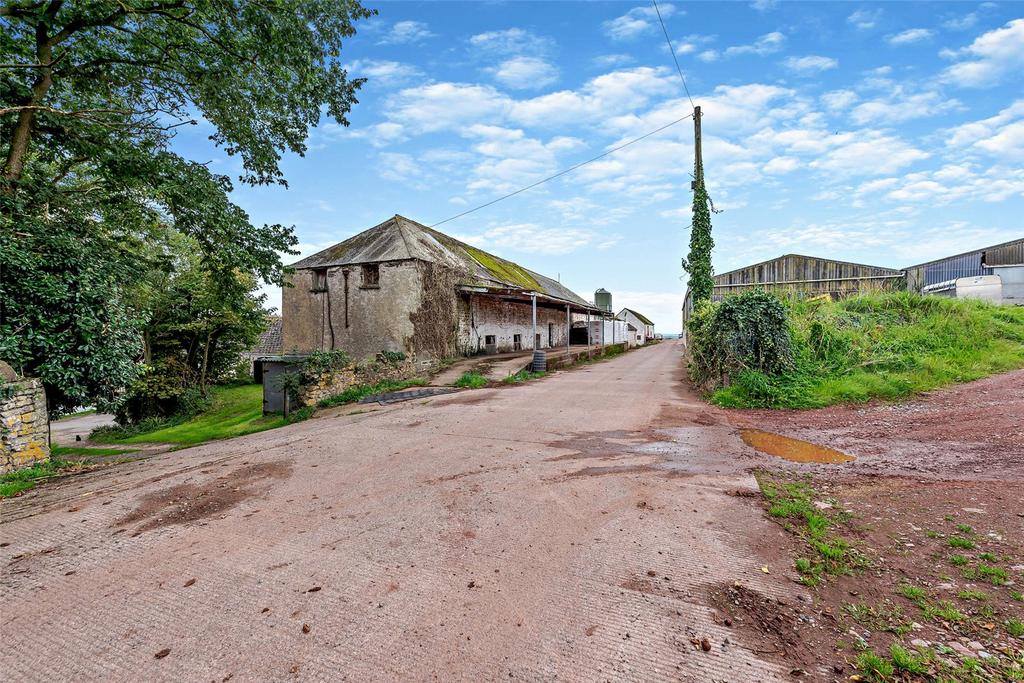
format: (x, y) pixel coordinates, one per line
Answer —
(338, 381)
(24, 428)
(487, 316)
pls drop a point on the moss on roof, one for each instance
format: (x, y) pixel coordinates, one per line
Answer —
(504, 270)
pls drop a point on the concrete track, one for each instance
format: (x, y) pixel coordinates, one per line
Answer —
(564, 529)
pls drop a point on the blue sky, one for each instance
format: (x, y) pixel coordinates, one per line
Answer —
(884, 133)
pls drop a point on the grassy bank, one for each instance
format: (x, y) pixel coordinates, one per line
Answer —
(233, 411)
(63, 460)
(883, 346)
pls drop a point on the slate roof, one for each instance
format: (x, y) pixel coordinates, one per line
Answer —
(401, 239)
(642, 318)
(270, 342)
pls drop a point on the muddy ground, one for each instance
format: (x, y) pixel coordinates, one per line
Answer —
(933, 505)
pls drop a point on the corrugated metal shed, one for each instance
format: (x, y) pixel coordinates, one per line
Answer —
(803, 276)
(401, 239)
(967, 264)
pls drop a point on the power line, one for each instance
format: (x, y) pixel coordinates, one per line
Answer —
(673, 51)
(563, 172)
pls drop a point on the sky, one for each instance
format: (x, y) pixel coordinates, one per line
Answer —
(881, 133)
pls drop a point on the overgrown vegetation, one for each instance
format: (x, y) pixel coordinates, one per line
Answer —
(883, 346)
(60, 462)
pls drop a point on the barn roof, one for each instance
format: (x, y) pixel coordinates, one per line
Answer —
(402, 239)
(642, 318)
(819, 259)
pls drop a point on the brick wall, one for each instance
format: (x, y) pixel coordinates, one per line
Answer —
(24, 429)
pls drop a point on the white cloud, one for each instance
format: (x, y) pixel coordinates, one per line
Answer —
(522, 73)
(898, 106)
(438, 106)
(534, 239)
(767, 44)
(708, 56)
(992, 57)
(810, 64)
(780, 165)
(406, 32)
(838, 99)
(963, 23)
(512, 41)
(869, 153)
(397, 167)
(864, 19)
(606, 61)
(1000, 136)
(636, 22)
(764, 5)
(383, 72)
(912, 35)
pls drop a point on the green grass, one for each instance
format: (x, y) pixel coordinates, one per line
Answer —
(965, 529)
(873, 667)
(233, 411)
(792, 501)
(79, 413)
(471, 379)
(523, 376)
(958, 560)
(958, 542)
(904, 660)
(913, 593)
(357, 393)
(13, 483)
(972, 594)
(1017, 595)
(1015, 627)
(64, 452)
(997, 576)
(884, 346)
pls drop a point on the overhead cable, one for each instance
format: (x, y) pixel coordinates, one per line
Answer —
(673, 51)
(563, 172)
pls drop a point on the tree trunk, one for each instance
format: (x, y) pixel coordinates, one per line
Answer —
(22, 133)
(206, 360)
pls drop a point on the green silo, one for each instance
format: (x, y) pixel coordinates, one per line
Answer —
(603, 299)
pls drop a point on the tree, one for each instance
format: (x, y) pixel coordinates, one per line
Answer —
(91, 94)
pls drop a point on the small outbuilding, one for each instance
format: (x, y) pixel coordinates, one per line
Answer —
(642, 325)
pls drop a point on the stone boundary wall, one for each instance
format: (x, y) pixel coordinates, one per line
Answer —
(24, 428)
(338, 381)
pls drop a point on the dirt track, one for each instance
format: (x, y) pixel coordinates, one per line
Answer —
(563, 529)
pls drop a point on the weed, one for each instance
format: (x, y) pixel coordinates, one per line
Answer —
(959, 542)
(958, 560)
(932, 534)
(972, 595)
(997, 576)
(988, 557)
(361, 391)
(1017, 595)
(523, 376)
(873, 667)
(903, 660)
(948, 518)
(965, 529)
(471, 380)
(912, 593)
(944, 610)
(1015, 627)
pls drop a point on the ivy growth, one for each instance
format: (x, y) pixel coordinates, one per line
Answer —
(698, 262)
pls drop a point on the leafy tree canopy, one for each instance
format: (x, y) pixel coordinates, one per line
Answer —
(91, 94)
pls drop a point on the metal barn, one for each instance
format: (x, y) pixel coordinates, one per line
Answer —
(941, 274)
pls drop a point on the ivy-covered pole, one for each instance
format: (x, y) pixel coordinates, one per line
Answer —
(698, 261)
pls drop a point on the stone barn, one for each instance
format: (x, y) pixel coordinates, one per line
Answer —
(401, 286)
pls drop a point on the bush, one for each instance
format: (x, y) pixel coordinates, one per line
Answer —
(748, 332)
(321, 362)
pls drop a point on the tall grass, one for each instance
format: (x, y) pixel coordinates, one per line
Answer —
(883, 346)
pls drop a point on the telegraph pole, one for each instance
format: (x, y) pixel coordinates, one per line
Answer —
(698, 161)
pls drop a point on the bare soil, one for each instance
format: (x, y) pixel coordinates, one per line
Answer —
(946, 465)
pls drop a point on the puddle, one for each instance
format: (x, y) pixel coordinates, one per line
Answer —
(792, 449)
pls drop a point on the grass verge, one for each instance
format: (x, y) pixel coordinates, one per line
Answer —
(523, 376)
(233, 411)
(15, 483)
(883, 346)
(357, 393)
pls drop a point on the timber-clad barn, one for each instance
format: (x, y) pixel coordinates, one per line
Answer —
(401, 286)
